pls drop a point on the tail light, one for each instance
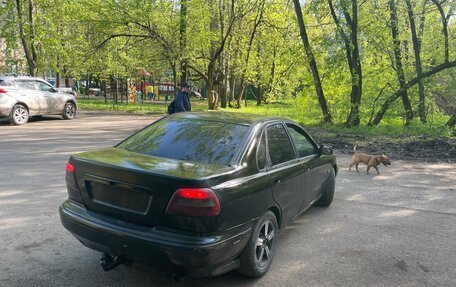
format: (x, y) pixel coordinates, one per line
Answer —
(72, 185)
(194, 202)
(3, 91)
(69, 168)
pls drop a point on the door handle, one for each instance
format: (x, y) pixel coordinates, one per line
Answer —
(277, 181)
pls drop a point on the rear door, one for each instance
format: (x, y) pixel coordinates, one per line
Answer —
(27, 93)
(285, 171)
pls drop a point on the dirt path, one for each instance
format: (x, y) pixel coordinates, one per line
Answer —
(418, 148)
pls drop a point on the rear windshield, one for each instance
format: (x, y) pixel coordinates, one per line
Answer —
(188, 139)
(6, 82)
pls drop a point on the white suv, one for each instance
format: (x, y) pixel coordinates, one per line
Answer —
(22, 97)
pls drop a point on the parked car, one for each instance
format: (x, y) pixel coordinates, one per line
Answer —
(196, 94)
(22, 97)
(203, 193)
(68, 90)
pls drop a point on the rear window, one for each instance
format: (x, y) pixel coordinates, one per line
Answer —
(185, 139)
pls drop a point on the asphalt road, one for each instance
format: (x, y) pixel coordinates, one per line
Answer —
(393, 229)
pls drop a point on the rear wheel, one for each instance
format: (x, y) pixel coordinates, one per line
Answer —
(261, 247)
(69, 112)
(19, 115)
(328, 190)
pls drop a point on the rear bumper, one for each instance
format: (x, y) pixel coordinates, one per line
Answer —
(197, 255)
(5, 112)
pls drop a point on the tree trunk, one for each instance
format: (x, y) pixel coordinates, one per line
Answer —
(353, 59)
(67, 79)
(183, 40)
(225, 88)
(357, 80)
(312, 64)
(256, 24)
(241, 95)
(418, 67)
(113, 90)
(57, 79)
(210, 85)
(272, 73)
(260, 96)
(452, 121)
(232, 89)
(408, 85)
(28, 46)
(213, 55)
(88, 80)
(122, 85)
(444, 28)
(398, 63)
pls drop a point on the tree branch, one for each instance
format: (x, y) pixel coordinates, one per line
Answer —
(408, 85)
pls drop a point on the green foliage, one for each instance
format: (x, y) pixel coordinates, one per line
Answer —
(301, 110)
(259, 44)
(146, 108)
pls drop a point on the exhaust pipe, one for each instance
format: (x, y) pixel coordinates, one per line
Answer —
(109, 262)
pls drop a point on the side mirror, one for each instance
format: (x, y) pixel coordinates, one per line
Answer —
(326, 149)
(54, 90)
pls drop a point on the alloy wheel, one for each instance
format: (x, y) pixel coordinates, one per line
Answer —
(70, 111)
(20, 115)
(265, 244)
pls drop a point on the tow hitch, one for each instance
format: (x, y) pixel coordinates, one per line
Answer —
(109, 262)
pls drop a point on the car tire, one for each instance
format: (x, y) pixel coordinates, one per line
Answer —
(19, 115)
(69, 111)
(261, 247)
(328, 190)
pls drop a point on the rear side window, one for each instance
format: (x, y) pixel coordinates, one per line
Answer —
(280, 147)
(25, 84)
(5, 82)
(187, 139)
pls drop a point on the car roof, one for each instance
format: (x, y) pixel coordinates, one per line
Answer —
(19, 77)
(228, 117)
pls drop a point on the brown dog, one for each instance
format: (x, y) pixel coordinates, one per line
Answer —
(370, 160)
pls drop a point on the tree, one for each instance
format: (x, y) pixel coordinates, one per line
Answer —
(27, 33)
(445, 19)
(398, 61)
(256, 23)
(350, 39)
(407, 86)
(418, 66)
(312, 64)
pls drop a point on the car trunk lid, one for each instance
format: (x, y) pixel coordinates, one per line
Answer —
(134, 187)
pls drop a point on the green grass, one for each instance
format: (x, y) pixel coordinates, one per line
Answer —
(297, 111)
(146, 108)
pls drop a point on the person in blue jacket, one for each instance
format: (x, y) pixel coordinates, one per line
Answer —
(182, 100)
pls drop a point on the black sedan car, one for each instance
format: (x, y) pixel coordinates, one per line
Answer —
(202, 193)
